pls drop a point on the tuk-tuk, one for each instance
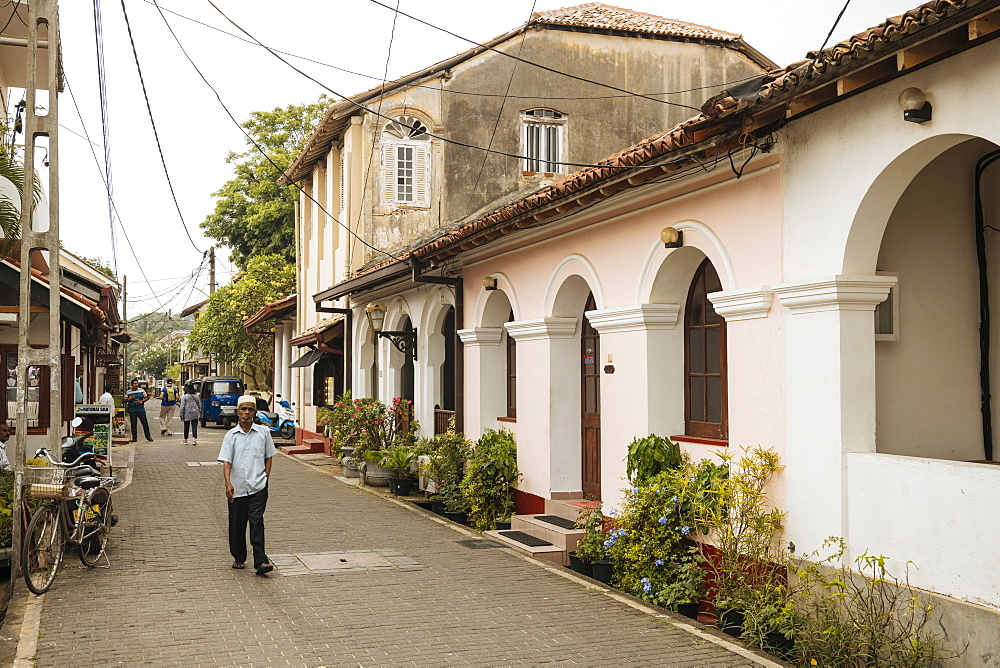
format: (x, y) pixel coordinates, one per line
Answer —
(218, 399)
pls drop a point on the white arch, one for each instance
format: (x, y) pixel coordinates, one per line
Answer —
(714, 249)
(504, 284)
(564, 270)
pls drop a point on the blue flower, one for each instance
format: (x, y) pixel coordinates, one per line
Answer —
(675, 499)
(685, 530)
(609, 542)
(659, 562)
(635, 490)
(647, 586)
(613, 512)
(663, 520)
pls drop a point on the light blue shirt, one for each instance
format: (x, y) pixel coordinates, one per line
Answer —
(246, 452)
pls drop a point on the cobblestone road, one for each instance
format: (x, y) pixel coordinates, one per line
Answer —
(171, 598)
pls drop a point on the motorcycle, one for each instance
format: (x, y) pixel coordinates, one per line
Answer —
(281, 422)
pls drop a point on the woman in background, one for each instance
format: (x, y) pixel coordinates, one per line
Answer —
(190, 413)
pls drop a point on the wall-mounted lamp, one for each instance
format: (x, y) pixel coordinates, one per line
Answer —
(404, 342)
(916, 108)
(375, 313)
(672, 237)
(489, 283)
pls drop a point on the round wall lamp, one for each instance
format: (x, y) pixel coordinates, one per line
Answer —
(916, 108)
(490, 283)
(672, 237)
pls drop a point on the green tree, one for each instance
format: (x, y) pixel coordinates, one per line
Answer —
(155, 360)
(219, 330)
(101, 265)
(253, 215)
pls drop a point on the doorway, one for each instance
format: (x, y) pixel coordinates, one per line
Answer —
(590, 382)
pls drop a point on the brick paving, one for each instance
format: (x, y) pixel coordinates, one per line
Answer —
(171, 598)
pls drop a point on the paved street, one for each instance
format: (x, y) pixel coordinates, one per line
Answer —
(402, 589)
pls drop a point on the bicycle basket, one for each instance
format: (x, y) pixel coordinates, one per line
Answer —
(41, 490)
(45, 475)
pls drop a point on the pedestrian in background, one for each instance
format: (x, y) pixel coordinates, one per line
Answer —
(135, 406)
(190, 412)
(108, 399)
(169, 396)
(247, 450)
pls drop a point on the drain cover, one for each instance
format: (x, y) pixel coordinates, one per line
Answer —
(478, 544)
(358, 561)
(557, 521)
(525, 538)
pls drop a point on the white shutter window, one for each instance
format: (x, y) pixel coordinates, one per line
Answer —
(422, 175)
(389, 173)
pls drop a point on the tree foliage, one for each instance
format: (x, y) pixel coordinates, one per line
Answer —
(101, 265)
(253, 215)
(219, 330)
(155, 360)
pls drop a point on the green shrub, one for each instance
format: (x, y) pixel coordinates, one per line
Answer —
(448, 453)
(650, 456)
(490, 477)
(593, 546)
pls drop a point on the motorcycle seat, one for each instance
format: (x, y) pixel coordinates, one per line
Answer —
(269, 415)
(87, 482)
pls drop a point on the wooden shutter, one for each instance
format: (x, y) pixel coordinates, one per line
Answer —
(422, 174)
(388, 173)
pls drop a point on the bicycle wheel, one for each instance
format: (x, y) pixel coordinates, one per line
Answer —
(43, 549)
(97, 527)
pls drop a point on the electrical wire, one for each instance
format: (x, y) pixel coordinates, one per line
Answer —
(260, 149)
(156, 134)
(532, 63)
(503, 102)
(388, 118)
(105, 134)
(719, 86)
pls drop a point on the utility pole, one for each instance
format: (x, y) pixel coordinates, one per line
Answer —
(40, 12)
(125, 345)
(211, 270)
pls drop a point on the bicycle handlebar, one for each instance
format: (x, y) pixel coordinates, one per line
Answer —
(42, 452)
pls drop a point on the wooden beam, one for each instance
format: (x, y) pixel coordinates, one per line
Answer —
(984, 25)
(910, 58)
(15, 309)
(883, 70)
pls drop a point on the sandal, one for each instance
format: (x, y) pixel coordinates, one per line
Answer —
(264, 568)
(239, 564)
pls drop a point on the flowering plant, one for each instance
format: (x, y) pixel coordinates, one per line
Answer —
(596, 541)
(447, 453)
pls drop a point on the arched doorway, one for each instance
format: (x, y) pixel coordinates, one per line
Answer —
(590, 405)
(406, 383)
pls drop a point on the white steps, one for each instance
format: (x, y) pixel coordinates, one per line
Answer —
(551, 553)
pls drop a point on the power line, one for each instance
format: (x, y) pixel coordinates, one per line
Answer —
(105, 134)
(532, 63)
(258, 146)
(156, 134)
(503, 102)
(718, 86)
(388, 118)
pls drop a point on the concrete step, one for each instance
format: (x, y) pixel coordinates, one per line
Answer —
(568, 508)
(565, 539)
(543, 552)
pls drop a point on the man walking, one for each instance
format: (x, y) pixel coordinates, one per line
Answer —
(135, 400)
(168, 403)
(107, 399)
(246, 455)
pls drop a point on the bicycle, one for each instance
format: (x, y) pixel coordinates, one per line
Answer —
(78, 510)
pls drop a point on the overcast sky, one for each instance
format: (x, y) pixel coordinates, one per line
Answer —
(197, 134)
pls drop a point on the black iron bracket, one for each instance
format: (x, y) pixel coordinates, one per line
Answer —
(405, 342)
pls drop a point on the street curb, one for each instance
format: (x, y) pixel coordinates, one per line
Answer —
(705, 633)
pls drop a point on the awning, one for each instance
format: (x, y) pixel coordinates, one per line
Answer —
(364, 281)
(310, 358)
(315, 334)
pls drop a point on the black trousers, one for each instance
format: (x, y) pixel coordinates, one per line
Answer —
(250, 509)
(141, 417)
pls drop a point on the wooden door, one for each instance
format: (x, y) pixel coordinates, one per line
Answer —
(590, 381)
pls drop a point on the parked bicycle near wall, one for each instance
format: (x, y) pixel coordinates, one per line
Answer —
(78, 510)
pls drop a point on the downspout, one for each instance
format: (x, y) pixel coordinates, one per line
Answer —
(984, 307)
(456, 284)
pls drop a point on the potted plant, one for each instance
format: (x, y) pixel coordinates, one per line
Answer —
(593, 547)
(447, 454)
(399, 460)
(489, 480)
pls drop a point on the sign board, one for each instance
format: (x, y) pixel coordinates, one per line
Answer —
(99, 416)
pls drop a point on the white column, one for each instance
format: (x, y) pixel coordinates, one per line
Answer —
(642, 386)
(548, 404)
(286, 355)
(485, 378)
(754, 342)
(830, 397)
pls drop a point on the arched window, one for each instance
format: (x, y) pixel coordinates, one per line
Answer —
(511, 371)
(705, 391)
(542, 140)
(406, 161)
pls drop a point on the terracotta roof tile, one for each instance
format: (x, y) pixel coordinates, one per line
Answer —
(607, 17)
